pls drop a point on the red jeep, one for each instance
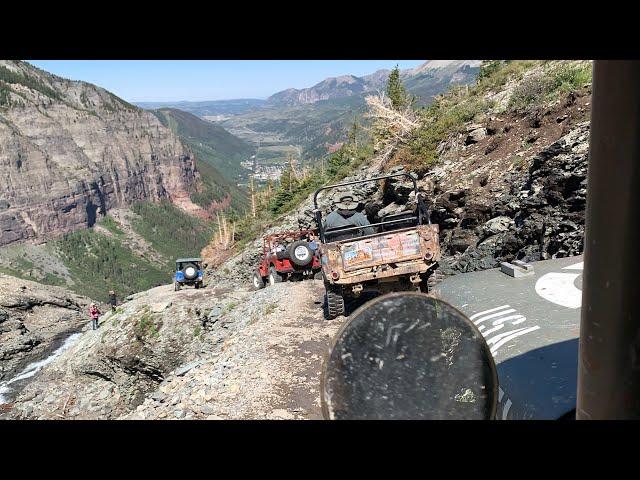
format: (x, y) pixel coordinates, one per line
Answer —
(288, 255)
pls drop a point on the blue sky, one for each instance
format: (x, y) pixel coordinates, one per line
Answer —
(174, 80)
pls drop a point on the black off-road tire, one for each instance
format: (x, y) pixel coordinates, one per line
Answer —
(335, 302)
(274, 276)
(430, 280)
(292, 248)
(257, 281)
(435, 278)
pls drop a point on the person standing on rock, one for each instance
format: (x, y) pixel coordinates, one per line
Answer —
(112, 300)
(94, 313)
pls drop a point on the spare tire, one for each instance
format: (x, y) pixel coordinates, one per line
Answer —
(190, 272)
(300, 253)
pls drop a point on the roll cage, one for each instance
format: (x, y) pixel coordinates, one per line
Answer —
(421, 216)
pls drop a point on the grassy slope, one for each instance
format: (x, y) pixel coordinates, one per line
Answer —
(450, 114)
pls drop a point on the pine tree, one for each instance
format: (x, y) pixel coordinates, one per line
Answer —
(353, 139)
(396, 91)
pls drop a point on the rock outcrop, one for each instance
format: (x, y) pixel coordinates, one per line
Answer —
(540, 216)
(32, 318)
(70, 151)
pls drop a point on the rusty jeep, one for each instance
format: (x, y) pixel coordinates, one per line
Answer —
(400, 256)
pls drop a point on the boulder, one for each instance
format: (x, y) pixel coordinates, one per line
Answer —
(497, 225)
(475, 135)
(160, 307)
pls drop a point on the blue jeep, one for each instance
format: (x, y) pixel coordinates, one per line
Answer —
(189, 272)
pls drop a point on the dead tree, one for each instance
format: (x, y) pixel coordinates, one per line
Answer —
(391, 128)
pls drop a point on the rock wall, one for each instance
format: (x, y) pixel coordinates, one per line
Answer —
(70, 151)
(32, 317)
(540, 216)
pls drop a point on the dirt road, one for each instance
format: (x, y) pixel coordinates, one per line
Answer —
(269, 368)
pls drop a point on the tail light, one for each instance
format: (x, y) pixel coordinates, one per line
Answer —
(335, 275)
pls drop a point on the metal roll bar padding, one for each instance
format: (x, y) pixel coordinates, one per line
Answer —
(609, 353)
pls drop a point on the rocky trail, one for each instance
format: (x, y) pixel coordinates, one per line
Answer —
(221, 352)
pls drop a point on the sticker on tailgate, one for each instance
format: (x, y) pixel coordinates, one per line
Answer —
(384, 249)
(357, 254)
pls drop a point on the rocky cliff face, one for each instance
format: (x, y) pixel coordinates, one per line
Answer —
(70, 151)
(32, 318)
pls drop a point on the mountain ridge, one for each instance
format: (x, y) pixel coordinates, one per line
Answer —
(347, 85)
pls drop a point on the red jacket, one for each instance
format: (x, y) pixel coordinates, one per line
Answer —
(94, 312)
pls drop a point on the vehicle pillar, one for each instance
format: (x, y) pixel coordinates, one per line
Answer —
(609, 355)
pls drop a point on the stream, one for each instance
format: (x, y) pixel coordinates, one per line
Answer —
(10, 388)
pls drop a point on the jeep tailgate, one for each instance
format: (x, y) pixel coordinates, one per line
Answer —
(392, 247)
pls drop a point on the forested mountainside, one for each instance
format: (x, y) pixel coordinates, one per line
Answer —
(221, 151)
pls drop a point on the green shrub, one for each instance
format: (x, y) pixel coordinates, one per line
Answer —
(146, 325)
(110, 224)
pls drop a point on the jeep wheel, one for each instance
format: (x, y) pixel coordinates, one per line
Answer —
(190, 272)
(335, 303)
(434, 278)
(258, 281)
(274, 276)
(300, 253)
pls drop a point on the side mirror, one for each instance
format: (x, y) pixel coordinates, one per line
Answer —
(409, 356)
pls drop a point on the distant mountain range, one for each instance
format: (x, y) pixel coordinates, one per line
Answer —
(209, 108)
(316, 118)
(422, 81)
